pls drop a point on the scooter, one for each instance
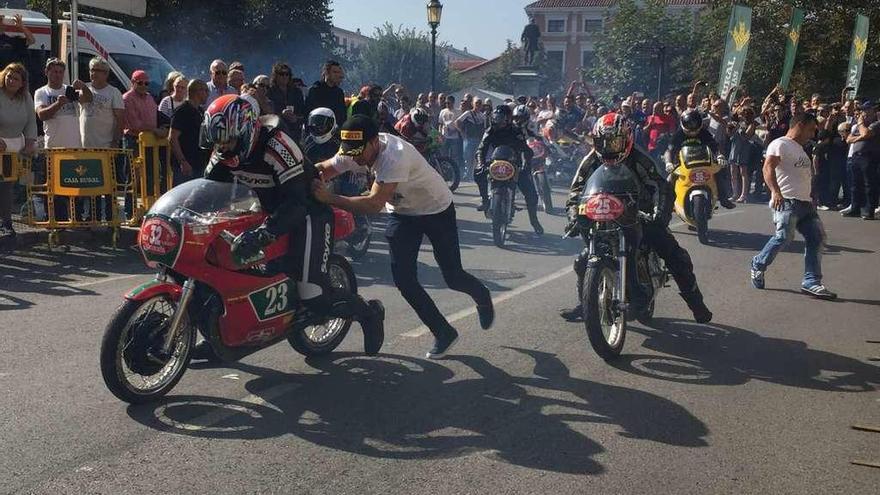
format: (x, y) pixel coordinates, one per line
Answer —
(696, 189)
(238, 306)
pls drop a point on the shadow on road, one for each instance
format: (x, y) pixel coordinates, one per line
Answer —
(398, 407)
(58, 273)
(716, 354)
(754, 241)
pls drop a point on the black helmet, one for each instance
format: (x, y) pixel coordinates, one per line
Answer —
(504, 153)
(521, 115)
(502, 116)
(691, 122)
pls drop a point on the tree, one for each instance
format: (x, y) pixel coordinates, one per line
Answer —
(401, 55)
(627, 53)
(823, 51)
(191, 33)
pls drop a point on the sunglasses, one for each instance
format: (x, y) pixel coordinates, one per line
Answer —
(221, 72)
(263, 85)
(142, 83)
(285, 74)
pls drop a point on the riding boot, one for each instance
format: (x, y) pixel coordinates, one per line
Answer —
(694, 300)
(533, 218)
(370, 315)
(577, 313)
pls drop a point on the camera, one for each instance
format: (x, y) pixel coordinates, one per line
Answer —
(71, 94)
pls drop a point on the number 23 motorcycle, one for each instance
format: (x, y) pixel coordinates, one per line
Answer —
(238, 306)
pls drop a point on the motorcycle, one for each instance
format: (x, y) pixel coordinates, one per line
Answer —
(357, 243)
(503, 172)
(696, 189)
(442, 163)
(609, 222)
(238, 306)
(539, 174)
(564, 156)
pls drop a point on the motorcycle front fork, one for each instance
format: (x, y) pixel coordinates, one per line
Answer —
(620, 254)
(185, 298)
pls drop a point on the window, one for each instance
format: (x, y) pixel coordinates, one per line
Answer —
(592, 25)
(556, 26)
(588, 58)
(556, 59)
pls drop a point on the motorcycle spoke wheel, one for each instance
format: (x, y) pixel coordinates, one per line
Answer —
(314, 340)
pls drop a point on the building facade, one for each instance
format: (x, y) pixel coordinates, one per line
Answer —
(570, 28)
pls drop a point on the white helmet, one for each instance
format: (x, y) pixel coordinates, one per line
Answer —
(321, 124)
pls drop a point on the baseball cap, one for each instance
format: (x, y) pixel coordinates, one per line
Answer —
(55, 61)
(867, 105)
(355, 133)
(139, 75)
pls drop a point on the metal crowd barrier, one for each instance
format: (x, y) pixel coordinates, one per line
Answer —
(152, 172)
(77, 188)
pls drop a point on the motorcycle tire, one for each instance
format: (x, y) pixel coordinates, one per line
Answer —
(598, 307)
(700, 207)
(448, 170)
(499, 219)
(119, 350)
(357, 250)
(331, 333)
(542, 185)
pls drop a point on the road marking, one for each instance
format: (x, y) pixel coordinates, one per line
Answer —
(464, 313)
(109, 279)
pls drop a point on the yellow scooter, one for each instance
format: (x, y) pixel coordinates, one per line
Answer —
(696, 190)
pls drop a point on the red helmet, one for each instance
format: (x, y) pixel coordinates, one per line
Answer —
(612, 138)
(231, 117)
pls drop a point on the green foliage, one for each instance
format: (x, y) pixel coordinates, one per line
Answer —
(192, 33)
(627, 54)
(401, 55)
(823, 51)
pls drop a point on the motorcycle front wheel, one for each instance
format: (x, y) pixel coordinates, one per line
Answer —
(317, 340)
(499, 217)
(700, 207)
(604, 322)
(132, 362)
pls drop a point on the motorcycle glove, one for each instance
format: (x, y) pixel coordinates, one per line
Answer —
(722, 160)
(247, 246)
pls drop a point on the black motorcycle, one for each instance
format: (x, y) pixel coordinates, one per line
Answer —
(503, 172)
(609, 222)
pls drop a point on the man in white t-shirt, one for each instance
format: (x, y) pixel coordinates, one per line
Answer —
(101, 119)
(788, 174)
(57, 105)
(420, 204)
(451, 135)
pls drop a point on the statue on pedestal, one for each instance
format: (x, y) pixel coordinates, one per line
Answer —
(530, 36)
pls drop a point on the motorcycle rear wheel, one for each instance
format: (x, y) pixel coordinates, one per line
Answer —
(448, 170)
(317, 340)
(131, 364)
(604, 323)
(700, 207)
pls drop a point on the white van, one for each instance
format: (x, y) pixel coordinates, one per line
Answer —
(124, 50)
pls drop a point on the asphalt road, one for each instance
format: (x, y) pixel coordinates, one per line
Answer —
(760, 401)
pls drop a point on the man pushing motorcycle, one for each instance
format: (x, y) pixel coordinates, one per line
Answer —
(613, 145)
(257, 153)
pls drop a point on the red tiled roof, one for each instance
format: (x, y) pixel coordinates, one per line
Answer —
(569, 4)
(464, 64)
(480, 64)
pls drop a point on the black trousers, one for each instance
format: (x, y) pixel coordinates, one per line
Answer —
(404, 234)
(525, 183)
(863, 183)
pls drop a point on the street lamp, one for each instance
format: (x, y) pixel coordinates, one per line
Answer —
(435, 10)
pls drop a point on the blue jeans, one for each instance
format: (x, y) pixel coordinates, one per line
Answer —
(800, 215)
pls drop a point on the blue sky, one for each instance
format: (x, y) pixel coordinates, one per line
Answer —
(480, 25)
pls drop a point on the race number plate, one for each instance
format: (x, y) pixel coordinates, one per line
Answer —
(273, 301)
(700, 177)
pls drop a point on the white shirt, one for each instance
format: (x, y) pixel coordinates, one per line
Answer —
(97, 123)
(169, 104)
(794, 173)
(447, 118)
(420, 189)
(214, 92)
(62, 130)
